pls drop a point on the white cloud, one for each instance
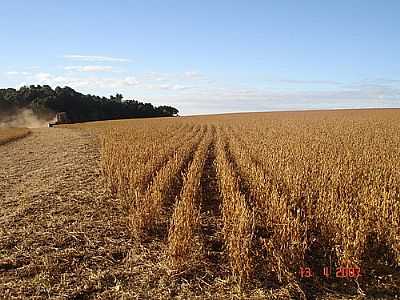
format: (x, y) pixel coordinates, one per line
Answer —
(193, 75)
(87, 82)
(95, 58)
(179, 87)
(224, 98)
(43, 77)
(17, 73)
(324, 82)
(131, 80)
(173, 87)
(89, 68)
(178, 78)
(190, 93)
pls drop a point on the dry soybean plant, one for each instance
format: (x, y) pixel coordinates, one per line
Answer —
(297, 189)
(183, 245)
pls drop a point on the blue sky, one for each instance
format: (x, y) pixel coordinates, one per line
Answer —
(209, 56)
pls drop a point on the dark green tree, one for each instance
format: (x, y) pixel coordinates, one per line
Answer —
(79, 107)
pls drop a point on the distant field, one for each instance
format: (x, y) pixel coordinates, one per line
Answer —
(10, 134)
(296, 202)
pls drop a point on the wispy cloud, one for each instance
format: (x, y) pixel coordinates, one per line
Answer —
(191, 93)
(43, 77)
(176, 77)
(295, 81)
(174, 87)
(95, 58)
(89, 68)
(87, 82)
(193, 75)
(17, 73)
(235, 99)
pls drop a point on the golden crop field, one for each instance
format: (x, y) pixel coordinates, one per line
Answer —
(11, 134)
(290, 201)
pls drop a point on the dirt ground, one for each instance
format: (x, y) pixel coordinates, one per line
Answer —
(61, 235)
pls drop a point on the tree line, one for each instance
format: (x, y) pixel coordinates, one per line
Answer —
(45, 101)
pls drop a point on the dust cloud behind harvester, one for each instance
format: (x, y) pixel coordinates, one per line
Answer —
(24, 118)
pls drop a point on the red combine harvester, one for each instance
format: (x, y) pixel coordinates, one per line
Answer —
(61, 118)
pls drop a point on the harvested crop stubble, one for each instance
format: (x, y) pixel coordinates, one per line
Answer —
(11, 134)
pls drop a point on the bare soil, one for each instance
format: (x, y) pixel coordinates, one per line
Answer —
(61, 234)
